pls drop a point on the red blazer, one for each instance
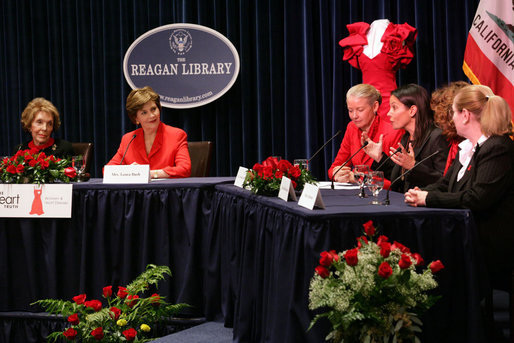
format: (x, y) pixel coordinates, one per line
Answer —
(169, 151)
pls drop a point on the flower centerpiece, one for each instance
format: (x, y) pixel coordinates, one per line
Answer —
(126, 316)
(27, 166)
(265, 178)
(372, 293)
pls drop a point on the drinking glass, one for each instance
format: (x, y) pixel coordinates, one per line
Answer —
(78, 164)
(375, 185)
(361, 174)
(301, 163)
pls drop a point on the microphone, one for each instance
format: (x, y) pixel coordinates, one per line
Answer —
(134, 136)
(388, 158)
(324, 145)
(346, 162)
(386, 201)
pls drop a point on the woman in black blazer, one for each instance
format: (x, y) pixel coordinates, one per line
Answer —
(481, 177)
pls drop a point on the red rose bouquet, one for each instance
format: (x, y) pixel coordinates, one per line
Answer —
(27, 166)
(124, 316)
(373, 293)
(265, 178)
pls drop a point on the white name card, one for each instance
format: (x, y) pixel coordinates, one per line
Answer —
(311, 196)
(35, 201)
(133, 173)
(240, 177)
(286, 189)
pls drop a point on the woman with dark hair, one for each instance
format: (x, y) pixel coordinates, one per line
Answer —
(410, 111)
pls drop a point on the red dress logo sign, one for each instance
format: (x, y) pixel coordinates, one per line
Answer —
(37, 204)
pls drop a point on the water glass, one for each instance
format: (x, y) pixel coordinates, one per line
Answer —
(301, 163)
(375, 185)
(361, 174)
(78, 164)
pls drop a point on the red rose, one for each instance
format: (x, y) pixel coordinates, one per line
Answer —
(11, 169)
(98, 333)
(70, 172)
(326, 259)
(385, 270)
(74, 319)
(271, 162)
(322, 271)
(436, 266)
(405, 261)
(360, 240)
(130, 334)
(351, 257)
(32, 163)
(381, 239)
(257, 167)
(385, 249)
(278, 174)
(20, 168)
(267, 172)
(401, 247)
(116, 312)
(70, 334)
(107, 291)
(44, 164)
(284, 165)
(96, 305)
(295, 172)
(418, 258)
(132, 300)
(155, 298)
(122, 292)
(335, 256)
(369, 228)
(79, 299)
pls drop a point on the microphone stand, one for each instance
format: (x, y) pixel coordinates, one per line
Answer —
(324, 145)
(388, 158)
(123, 157)
(386, 201)
(345, 163)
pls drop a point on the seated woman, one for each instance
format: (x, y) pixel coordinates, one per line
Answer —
(363, 102)
(482, 176)
(41, 118)
(410, 110)
(161, 146)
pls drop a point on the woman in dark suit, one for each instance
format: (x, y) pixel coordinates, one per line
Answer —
(410, 110)
(481, 177)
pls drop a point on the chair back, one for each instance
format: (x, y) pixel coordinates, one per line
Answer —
(201, 155)
(86, 150)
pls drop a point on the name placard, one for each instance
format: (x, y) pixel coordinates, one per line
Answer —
(311, 196)
(35, 201)
(286, 189)
(240, 177)
(133, 173)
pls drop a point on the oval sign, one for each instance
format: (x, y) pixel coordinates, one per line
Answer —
(188, 65)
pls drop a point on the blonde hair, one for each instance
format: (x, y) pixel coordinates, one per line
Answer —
(34, 107)
(366, 91)
(138, 98)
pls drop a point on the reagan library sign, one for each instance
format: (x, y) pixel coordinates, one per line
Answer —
(188, 65)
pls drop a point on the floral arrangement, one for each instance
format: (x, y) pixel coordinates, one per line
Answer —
(265, 178)
(27, 166)
(126, 317)
(373, 293)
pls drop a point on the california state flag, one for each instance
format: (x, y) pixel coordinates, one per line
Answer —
(489, 56)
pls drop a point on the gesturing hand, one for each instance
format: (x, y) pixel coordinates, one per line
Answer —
(403, 158)
(374, 150)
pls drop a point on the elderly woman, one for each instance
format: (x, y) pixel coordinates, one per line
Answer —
(363, 101)
(482, 175)
(161, 146)
(41, 118)
(410, 110)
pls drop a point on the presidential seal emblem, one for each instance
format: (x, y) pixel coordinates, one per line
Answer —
(181, 41)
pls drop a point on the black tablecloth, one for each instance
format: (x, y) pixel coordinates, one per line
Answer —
(264, 251)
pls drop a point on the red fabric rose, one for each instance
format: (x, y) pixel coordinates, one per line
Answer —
(419, 259)
(115, 312)
(79, 299)
(98, 333)
(326, 259)
(132, 300)
(73, 319)
(155, 298)
(385, 249)
(351, 257)
(385, 270)
(369, 228)
(96, 305)
(322, 271)
(122, 292)
(70, 334)
(70, 172)
(107, 291)
(436, 266)
(405, 261)
(130, 334)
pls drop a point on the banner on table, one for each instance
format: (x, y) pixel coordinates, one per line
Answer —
(489, 56)
(35, 201)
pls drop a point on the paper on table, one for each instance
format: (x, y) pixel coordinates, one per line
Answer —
(337, 185)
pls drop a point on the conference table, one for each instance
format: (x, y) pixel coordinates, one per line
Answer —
(242, 257)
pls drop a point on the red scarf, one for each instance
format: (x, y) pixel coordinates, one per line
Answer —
(35, 147)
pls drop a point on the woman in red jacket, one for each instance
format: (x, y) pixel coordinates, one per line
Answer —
(161, 146)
